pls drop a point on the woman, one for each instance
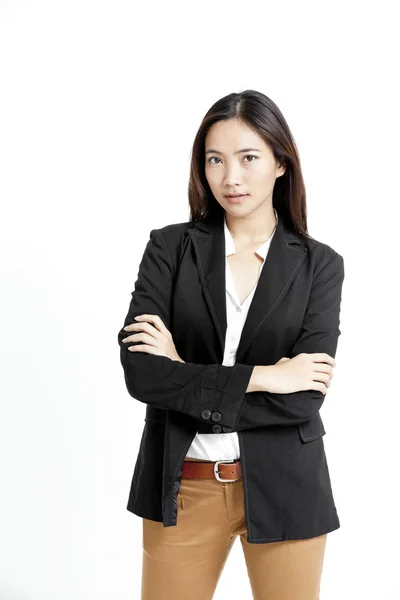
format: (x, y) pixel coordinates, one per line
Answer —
(230, 341)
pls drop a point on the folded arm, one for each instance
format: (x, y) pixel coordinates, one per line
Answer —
(217, 392)
(206, 392)
(320, 333)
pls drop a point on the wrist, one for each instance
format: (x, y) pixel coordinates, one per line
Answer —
(260, 378)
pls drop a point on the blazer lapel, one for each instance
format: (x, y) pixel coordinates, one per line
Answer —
(285, 257)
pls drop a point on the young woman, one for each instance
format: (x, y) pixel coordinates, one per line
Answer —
(230, 341)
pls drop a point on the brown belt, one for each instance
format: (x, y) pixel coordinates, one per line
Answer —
(222, 470)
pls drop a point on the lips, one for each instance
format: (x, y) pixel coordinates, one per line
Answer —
(235, 195)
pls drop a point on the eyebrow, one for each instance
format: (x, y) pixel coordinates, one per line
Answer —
(237, 152)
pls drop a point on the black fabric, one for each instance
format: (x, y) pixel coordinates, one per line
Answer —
(295, 309)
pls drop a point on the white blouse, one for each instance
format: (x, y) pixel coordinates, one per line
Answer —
(225, 446)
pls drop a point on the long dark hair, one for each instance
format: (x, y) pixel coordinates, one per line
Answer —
(262, 115)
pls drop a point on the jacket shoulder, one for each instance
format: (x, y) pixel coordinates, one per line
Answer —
(172, 238)
(323, 255)
(175, 230)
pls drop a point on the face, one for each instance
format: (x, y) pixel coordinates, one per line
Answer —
(238, 161)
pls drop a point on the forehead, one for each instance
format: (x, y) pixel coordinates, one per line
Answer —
(232, 135)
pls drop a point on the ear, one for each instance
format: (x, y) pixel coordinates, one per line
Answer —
(281, 167)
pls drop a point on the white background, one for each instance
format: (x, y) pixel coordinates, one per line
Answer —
(99, 105)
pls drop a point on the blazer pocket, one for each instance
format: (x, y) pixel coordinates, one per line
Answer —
(312, 429)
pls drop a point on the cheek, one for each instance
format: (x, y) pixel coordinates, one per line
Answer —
(263, 177)
(212, 177)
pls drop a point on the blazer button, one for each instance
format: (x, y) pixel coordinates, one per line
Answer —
(206, 414)
(227, 429)
(216, 428)
(216, 416)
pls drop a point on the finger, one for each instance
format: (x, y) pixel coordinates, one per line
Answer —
(155, 320)
(322, 378)
(142, 337)
(130, 327)
(136, 325)
(320, 387)
(323, 368)
(146, 327)
(323, 357)
(144, 348)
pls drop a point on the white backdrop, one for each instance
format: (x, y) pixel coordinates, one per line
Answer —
(99, 105)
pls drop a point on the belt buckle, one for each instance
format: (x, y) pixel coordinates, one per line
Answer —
(216, 472)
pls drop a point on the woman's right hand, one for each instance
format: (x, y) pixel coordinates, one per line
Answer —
(302, 372)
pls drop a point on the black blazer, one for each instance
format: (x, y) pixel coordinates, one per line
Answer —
(295, 309)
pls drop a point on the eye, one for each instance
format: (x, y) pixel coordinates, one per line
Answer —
(246, 156)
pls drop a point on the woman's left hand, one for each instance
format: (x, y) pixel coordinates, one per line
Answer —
(156, 337)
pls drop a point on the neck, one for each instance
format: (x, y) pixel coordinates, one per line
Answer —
(253, 228)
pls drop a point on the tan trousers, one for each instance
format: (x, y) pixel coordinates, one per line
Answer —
(184, 562)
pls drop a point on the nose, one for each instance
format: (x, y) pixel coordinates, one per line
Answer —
(231, 177)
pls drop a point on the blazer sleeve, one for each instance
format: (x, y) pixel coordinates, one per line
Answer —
(206, 392)
(320, 333)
